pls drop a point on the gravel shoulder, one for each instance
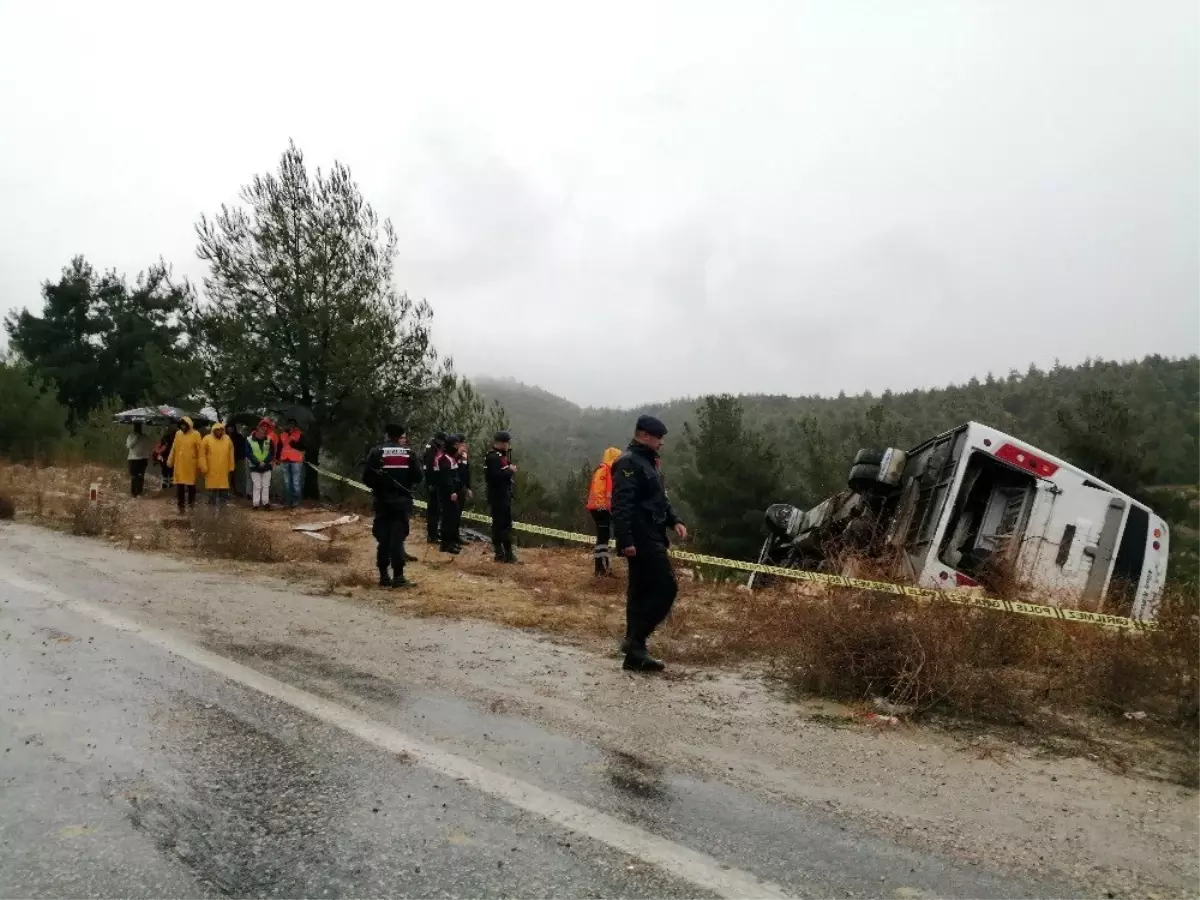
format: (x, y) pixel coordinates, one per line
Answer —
(999, 805)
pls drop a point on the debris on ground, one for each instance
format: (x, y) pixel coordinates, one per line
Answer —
(309, 527)
(892, 709)
(884, 721)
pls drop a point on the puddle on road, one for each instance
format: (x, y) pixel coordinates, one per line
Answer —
(250, 815)
(320, 674)
(633, 776)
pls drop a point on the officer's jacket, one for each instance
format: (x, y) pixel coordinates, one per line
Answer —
(445, 466)
(498, 475)
(641, 512)
(391, 472)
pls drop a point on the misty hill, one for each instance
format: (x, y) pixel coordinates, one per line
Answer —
(556, 436)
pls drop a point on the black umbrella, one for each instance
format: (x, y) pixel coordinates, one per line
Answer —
(302, 414)
(157, 415)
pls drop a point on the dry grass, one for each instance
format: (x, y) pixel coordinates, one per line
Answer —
(334, 552)
(231, 533)
(1043, 677)
(94, 519)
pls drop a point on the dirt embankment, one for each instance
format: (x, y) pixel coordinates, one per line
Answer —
(1013, 754)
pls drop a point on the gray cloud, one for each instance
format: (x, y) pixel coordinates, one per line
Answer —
(637, 201)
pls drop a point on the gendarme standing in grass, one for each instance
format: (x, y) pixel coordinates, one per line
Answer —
(641, 517)
(392, 472)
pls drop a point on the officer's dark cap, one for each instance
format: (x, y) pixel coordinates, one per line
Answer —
(394, 430)
(652, 426)
(440, 436)
(502, 437)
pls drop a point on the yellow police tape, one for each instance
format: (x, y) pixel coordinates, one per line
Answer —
(962, 598)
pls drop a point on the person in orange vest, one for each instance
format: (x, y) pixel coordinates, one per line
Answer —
(599, 504)
(291, 458)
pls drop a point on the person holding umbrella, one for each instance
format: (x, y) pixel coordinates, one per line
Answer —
(138, 448)
(184, 462)
(162, 452)
(241, 466)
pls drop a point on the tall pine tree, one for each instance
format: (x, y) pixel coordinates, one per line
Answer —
(733, 475)
(301, 309)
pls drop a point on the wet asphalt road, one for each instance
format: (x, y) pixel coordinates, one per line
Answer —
(136, 766)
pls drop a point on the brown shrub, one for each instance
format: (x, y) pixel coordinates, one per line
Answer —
(8, 508)
(332, 552)
(992, 665)
(229, 533)
(94, 519)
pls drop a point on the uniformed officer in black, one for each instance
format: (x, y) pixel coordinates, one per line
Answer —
(450, 496)
(433, 511)
(392, 472)
(498, 471)
(641, 516)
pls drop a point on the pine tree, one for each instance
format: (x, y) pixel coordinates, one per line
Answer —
(733, 475)
(100, 340)
(301, 308)
(1101, 435)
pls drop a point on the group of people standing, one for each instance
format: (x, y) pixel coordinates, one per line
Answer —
(227, 460)
(627, 499)
(393, 472)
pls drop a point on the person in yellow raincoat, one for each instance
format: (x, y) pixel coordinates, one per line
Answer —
(217, 463)
(599, 504)
(184, 462)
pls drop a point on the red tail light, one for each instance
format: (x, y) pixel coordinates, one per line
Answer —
(964, 581)
(1023, 459)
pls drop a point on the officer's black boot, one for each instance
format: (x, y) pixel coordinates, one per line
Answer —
(400, 581)
(498, 550)
(638, 658)
(509, 556)
(599, 565)
(385, 580)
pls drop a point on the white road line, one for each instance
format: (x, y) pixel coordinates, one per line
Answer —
(675, 859)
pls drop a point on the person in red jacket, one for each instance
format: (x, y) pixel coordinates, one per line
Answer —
(599, 504)
(291, 459)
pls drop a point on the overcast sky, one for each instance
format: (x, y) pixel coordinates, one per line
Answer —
(633, 201)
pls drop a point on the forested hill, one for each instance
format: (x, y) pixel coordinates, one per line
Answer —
(1162, 395)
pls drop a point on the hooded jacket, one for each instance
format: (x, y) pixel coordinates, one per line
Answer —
(216, 459)
(185, 455)
(600, 490)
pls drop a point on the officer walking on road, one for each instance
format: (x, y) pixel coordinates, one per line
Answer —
(641, 515)
(498, 471)
(392, 472)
